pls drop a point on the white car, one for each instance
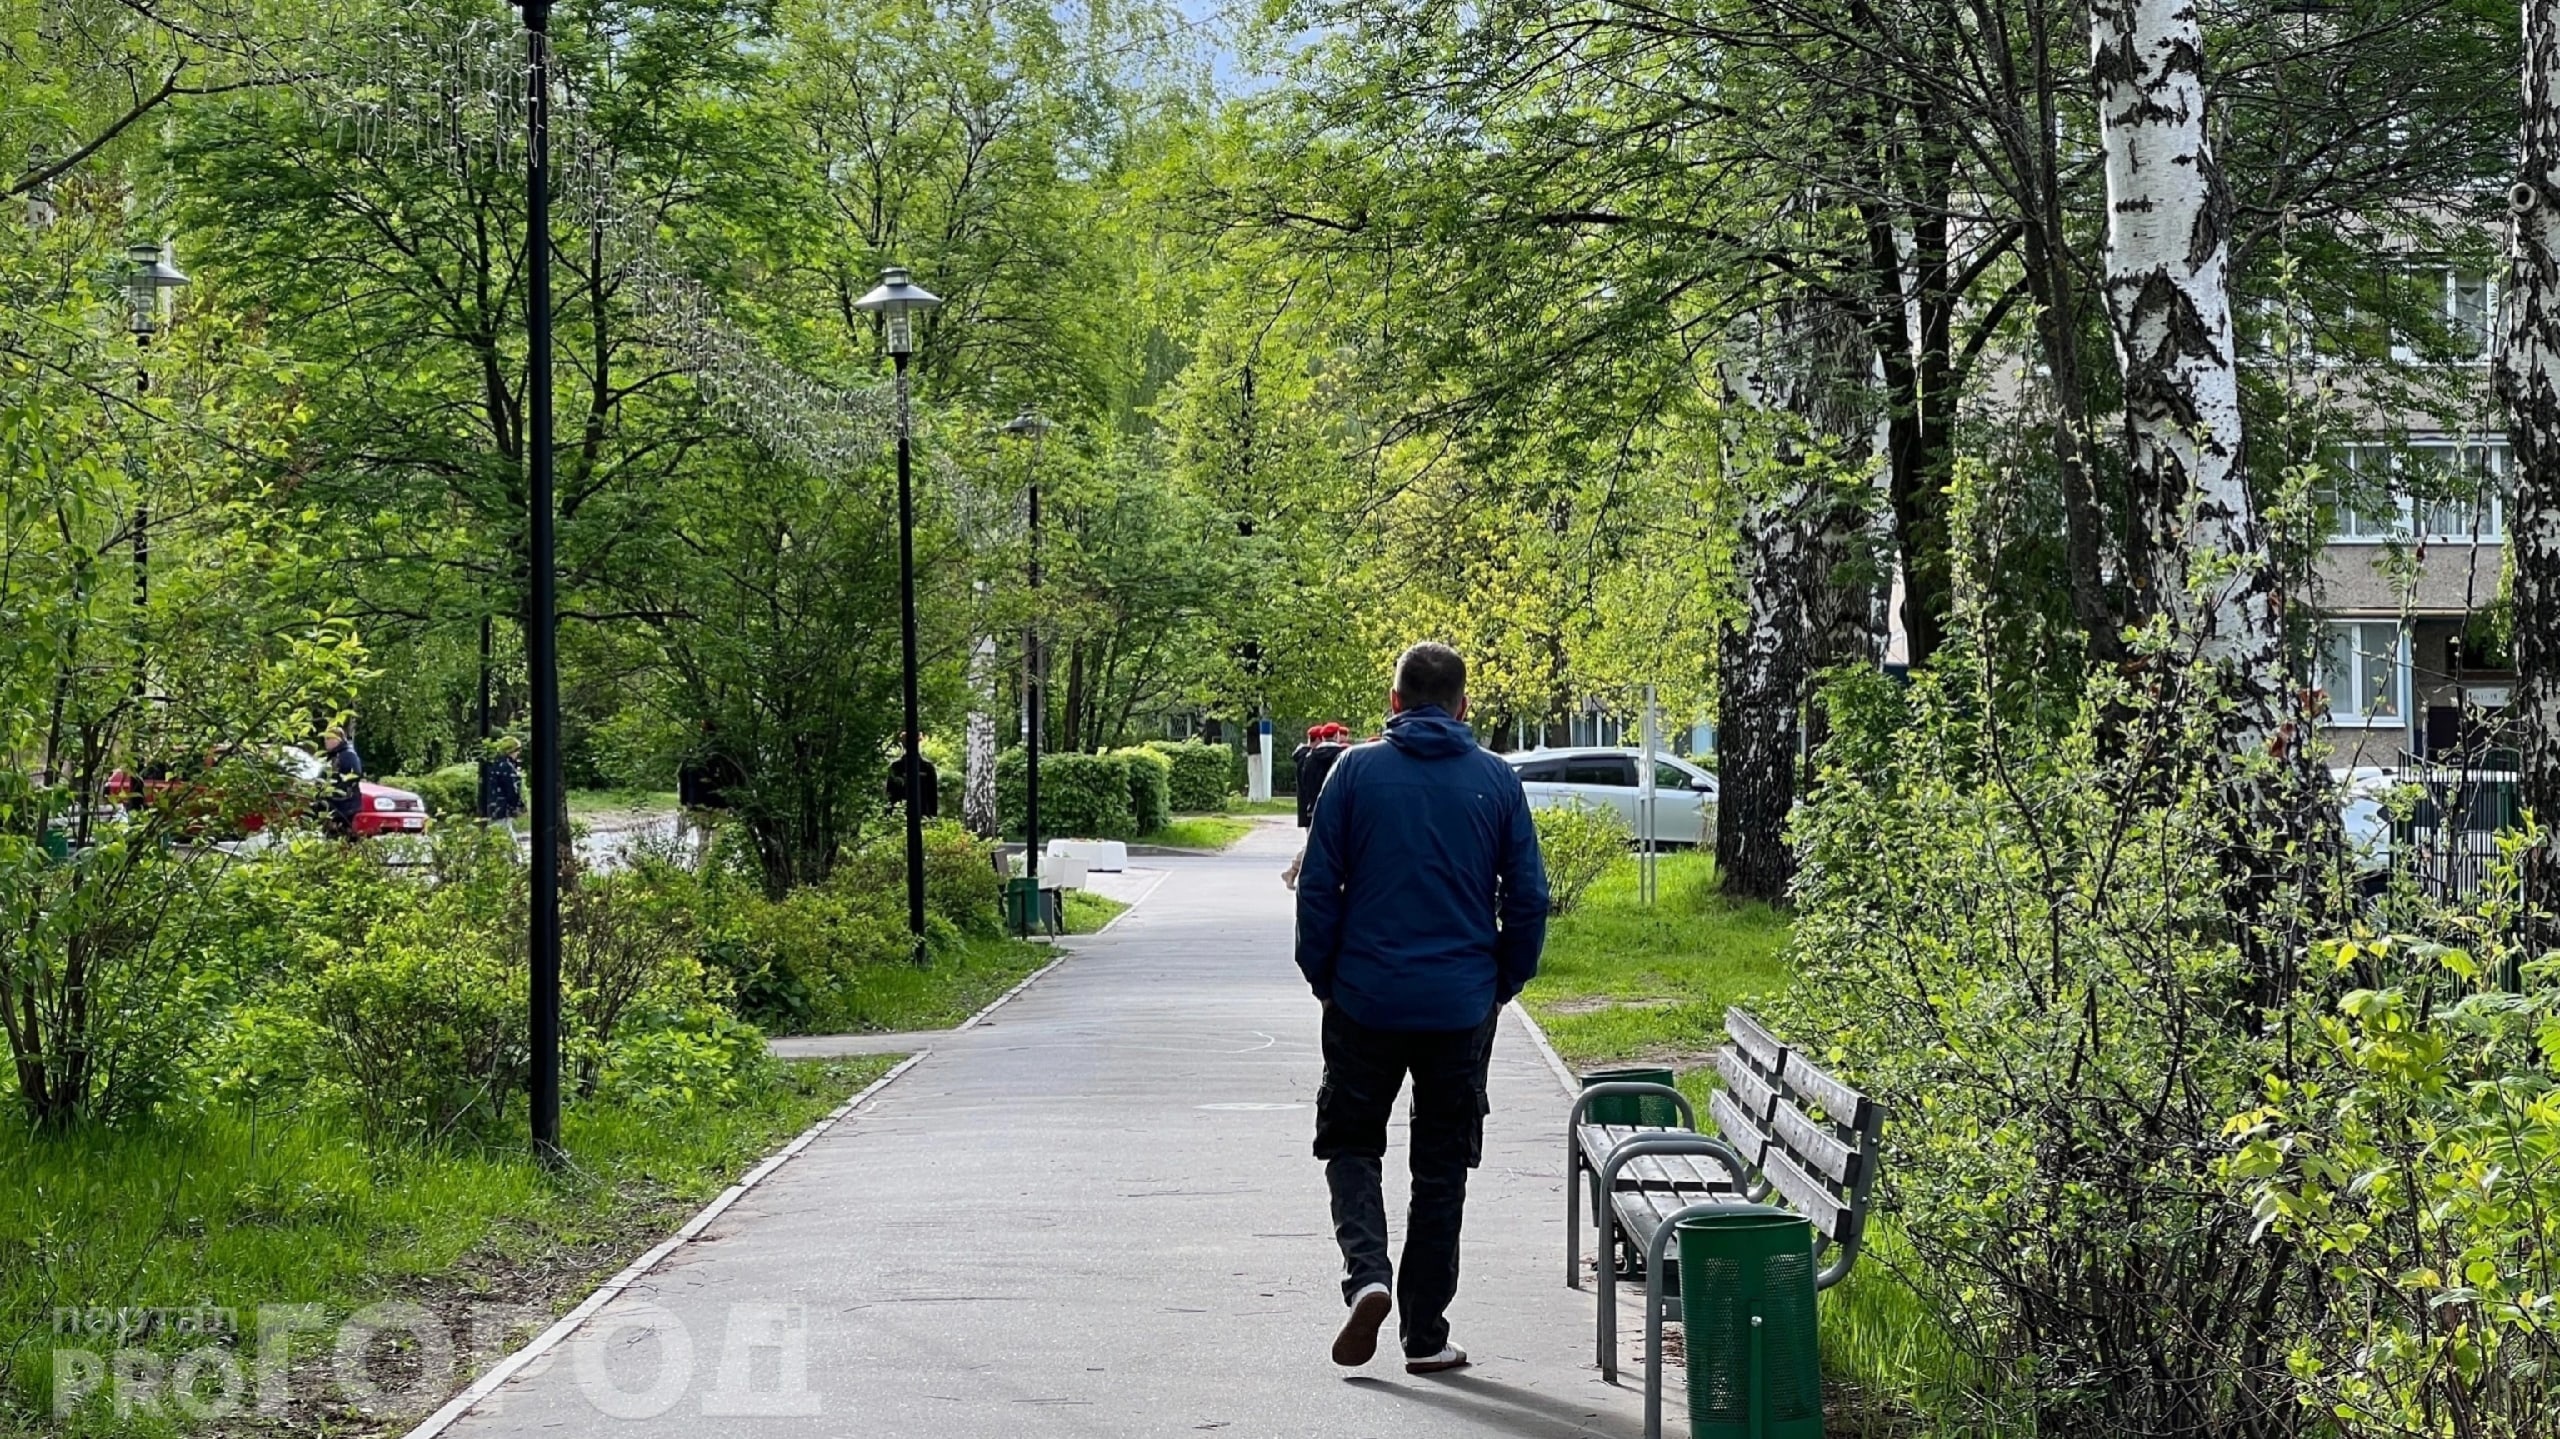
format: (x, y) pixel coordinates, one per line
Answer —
(1684, 795)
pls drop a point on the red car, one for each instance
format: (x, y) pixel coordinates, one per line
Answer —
(229, 807)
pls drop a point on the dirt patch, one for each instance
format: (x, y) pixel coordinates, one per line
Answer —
(1600, 1005)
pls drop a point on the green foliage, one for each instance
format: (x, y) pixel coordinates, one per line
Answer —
(2022, 946)
(452, 793)
(2416, 1160)
(1202, 779)
(961, 885)
(1580, 842)
(1150, 787)
(1082, 796)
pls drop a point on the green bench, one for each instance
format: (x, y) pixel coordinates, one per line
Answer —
(1786, 1132)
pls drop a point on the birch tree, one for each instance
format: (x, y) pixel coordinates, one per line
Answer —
(2528, 379)
(2168, 286)
(1797, 386)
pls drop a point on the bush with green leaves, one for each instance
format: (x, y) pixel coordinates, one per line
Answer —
(1082, 796)
(1150, 788)
(961, 885)
(1579, 842)
(451, 793)
(2416, 1162)
(1201, 779)
(2021, 943)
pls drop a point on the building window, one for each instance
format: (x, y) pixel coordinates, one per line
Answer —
(2436, 491)
(2360, 668)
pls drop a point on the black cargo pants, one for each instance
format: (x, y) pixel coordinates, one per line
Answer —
(1364, 1068)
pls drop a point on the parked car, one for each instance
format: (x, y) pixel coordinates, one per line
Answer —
(380, 809)
(1684, 795)
(237, 805)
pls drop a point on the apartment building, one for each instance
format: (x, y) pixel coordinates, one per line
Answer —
(2414, 554)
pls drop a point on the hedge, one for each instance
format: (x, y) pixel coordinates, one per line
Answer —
(1082, 796)
(1150, 787)
(1201, 773)
(451, 793)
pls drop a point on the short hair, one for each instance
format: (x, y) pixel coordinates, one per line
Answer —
(1431, 673)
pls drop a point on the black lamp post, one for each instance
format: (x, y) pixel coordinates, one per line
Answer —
(542, 652)
(148, 274)
(897, 300)
(1030, 426)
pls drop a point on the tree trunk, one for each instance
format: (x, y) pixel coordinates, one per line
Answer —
(2168, 290)
(978, 776)
(1806, 373)
(2528, 377)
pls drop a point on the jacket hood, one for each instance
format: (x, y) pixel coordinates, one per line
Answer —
(1427, 732)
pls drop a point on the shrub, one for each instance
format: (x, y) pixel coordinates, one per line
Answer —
(425, 1026)
(950, 774)
(1579, 842)
(623, 937)
(2420, 1161)
(697, 1056)
(960, 880)
(451, 793)
(2021, 943)
(1199, 783)
(1082, 796)
(1150, 788)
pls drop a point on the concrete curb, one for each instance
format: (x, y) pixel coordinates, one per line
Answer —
(1555, 1061)
(549, 1339)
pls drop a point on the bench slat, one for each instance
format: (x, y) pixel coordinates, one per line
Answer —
(1844, 1106)
(1760, 1044)
(1740, 1129)
(1749, 1088)
(1815, 1146)
(1805, 1194)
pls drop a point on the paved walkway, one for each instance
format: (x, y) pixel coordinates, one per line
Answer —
(1093, 1215)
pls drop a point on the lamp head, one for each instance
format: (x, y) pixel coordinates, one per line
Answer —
(896, 299)
(147, 273)
(1027, 426)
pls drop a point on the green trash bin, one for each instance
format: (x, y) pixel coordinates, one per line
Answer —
(1747, 1317)
(1655, 1110)
(1022, 904)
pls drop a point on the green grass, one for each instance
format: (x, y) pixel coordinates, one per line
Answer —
(1199, 831)
(621, 801)
(216, 1207)
(1622, 983)
(896, 997)
(1088, 912)
(1279, 804)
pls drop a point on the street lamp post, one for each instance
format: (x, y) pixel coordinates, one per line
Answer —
(542, 653)
(897, 301)
(1030, 426)
(148, 274)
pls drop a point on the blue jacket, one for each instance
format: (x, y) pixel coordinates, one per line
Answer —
(1423, 901)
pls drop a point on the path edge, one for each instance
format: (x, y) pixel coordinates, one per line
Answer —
(1546, 1050)
(460, 1405)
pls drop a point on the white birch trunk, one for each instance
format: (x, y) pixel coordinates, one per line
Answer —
(1801, 370)
(2168, 264)
(2528, 379)
(978, 778)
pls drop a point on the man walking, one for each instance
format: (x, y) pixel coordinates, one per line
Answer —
(1421, 910)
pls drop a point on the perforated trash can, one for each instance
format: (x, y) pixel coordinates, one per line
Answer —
(1747, 1316)
(1656, 1110)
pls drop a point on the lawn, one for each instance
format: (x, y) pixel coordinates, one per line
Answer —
(585, 802)
(223, 1210)
(1622, 983)
(1199, 831)
(891, 998)
(1088, 912)
(1277, 804)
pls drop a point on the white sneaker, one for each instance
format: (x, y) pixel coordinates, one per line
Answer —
(1357, 1344)
(1450, 1357)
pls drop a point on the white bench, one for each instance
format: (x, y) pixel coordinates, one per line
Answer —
(1102, 856)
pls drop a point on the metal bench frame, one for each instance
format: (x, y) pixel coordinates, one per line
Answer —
(1786, 1078)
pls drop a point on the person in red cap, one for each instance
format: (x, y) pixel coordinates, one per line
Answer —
(1325, 744)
